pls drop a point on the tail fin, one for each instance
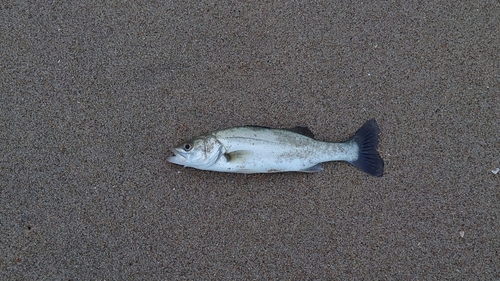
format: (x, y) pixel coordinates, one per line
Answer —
(368, 160)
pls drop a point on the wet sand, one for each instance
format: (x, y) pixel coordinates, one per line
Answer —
(94, 95)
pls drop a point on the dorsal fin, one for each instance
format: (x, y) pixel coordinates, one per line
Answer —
(257, 127)
(301, 130)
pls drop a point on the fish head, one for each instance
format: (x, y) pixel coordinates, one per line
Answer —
(201, 152)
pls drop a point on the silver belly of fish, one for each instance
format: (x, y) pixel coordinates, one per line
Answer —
(253, 149)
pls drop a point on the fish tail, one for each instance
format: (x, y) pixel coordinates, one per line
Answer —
(369, 159)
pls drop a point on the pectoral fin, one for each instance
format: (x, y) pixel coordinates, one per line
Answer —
(237, 156)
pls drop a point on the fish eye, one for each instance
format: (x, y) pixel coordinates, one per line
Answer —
(187, 146)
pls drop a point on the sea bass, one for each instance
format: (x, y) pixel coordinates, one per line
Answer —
(255, 149)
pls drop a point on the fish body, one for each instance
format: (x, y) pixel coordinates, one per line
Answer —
(255, 149)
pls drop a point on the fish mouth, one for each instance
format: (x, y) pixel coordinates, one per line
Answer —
(179, 158)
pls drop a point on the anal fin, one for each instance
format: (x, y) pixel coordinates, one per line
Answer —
(313, 169)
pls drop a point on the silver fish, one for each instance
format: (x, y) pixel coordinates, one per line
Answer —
(255, 149)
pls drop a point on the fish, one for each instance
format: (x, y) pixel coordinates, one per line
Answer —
(257, 149)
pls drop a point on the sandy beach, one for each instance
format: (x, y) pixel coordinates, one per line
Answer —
(93, 96)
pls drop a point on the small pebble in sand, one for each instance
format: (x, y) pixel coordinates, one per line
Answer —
(495, 171)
